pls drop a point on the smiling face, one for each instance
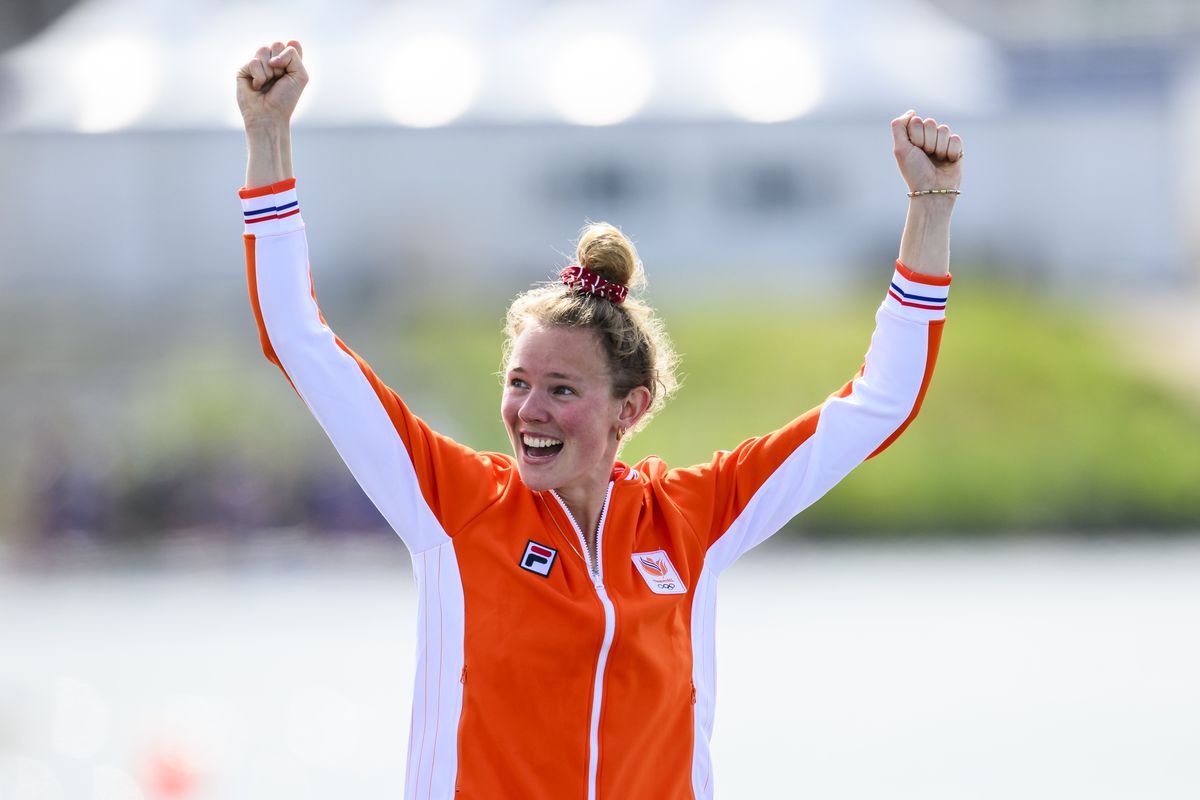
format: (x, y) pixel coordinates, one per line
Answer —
(559, 409)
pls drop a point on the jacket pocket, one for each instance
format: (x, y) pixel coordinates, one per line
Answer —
(462, 718)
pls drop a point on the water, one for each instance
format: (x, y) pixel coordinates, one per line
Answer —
(999, 670)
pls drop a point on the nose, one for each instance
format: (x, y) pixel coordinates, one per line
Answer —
(533, 409)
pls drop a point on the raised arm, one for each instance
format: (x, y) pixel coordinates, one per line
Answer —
(745, 495)
(424, 484)
(268, 88)
(930, 160)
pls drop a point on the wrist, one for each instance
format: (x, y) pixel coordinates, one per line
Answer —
(932, 204)
(269, 151)
(272, 127)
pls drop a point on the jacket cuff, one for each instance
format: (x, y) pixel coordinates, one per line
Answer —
(270, 210)
(916, 296)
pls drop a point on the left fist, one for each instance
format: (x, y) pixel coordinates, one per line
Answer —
(929, 155)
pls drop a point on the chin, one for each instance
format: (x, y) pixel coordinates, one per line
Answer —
(534, 479)
(536, 484)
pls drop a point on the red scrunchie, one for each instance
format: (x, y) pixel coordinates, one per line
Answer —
(584, 280)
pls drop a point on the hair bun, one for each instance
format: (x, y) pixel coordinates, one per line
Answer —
(606, 251)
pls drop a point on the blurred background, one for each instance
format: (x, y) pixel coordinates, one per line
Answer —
(196, 601)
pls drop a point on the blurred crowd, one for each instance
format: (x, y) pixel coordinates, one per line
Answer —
(93, 503)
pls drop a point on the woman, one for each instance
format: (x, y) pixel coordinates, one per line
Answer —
(567, 599)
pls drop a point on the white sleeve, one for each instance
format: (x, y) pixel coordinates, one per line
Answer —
(391, 452)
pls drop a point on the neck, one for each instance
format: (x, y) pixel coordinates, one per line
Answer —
(585, 497)
(585, 504)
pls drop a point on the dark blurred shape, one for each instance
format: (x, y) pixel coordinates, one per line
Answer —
(1081, 52)
(25, 19)
(761, 187)
(1082, 73)
(1078, 20)
(611, 185)
(74, 498)
(333, 502)
(80, 500)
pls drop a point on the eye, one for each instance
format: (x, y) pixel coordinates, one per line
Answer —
(564, 390)
(517, 383)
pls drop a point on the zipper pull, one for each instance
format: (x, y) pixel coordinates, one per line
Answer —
(693, 693)
(463, 680)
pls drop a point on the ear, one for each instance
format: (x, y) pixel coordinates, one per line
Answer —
(633, 406)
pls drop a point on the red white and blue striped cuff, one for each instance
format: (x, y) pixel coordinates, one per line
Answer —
(916, 296)
(274, 209)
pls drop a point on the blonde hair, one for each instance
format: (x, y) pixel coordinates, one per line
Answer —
(633, 338)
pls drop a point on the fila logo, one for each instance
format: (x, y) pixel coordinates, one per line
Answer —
(659, 573)
(538, 558)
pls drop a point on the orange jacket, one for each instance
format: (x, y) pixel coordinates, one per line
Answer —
(545, 671)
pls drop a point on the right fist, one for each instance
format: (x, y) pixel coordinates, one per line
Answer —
(269, 84)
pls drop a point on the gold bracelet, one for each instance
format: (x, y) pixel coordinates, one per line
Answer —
(934, 191)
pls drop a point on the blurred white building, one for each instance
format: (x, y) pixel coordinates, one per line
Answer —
(477, 136)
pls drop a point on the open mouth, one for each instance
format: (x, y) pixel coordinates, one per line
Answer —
(538, 448)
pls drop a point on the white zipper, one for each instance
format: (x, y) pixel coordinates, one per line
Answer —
(596, 570)
(610, 623)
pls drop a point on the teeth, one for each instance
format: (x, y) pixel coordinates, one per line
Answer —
(532, 441)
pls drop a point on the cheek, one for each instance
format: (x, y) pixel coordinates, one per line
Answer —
(508, 409)
(587, 423)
